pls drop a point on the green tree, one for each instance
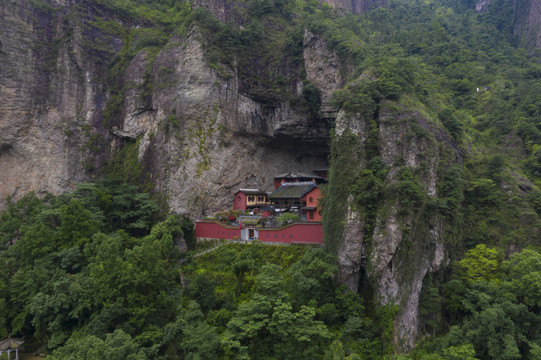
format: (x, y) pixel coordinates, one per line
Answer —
(116, 346)
(494, 333)
(287, 218)
(267, 324)
(77, 225)
(461, 352)
(200, 341)
(524, 277)
(16, 215)
(203, 290)
(312, 277)
(482, 263)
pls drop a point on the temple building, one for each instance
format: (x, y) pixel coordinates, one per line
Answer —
(259, 218)
(290, 177)
(248, 199)
(298, 197)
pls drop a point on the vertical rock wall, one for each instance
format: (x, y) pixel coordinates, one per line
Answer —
(49, 96)
(323, 68)
(528, 23)
(201, 139)
(198, 136)
(406, 242)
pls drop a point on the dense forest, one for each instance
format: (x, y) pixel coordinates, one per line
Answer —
(97, 273)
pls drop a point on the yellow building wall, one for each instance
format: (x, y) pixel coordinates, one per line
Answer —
(256, 200)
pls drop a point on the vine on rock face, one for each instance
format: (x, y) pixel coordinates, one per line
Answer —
(344, 162)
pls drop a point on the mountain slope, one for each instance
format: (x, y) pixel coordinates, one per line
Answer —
(426, 112)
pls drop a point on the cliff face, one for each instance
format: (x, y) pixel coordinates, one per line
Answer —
(49, 97)
(203, 139)
(404, 244)
(323, 68)
(528, 23)
(197, 136)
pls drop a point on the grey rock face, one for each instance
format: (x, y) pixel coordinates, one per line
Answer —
(528, 23)
(48, 99)
(351, 254)
(203, 139)
(199, 137)
(405, 244)
(322, 67)
(406, 247)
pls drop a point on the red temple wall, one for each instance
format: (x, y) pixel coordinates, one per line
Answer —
(296, 233)
(213, 230)
(301, 233)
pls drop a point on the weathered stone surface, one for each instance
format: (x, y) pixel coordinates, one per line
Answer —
(406, 247)
(345, 121)
(199, 137)
(47, 98)
(350, 255)
(322, 67)
(202, 139)
(527, 23)
(409, 137)
(405, 244)
(352, 252)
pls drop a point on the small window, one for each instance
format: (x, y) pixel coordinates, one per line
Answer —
(251, 198)
(319, 212)
(311, 215)
(311, 199)
(238, 198)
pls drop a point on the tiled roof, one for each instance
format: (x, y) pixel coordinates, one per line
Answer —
(298, 175)
(10, 343)
(252, 191)
(292, 190)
